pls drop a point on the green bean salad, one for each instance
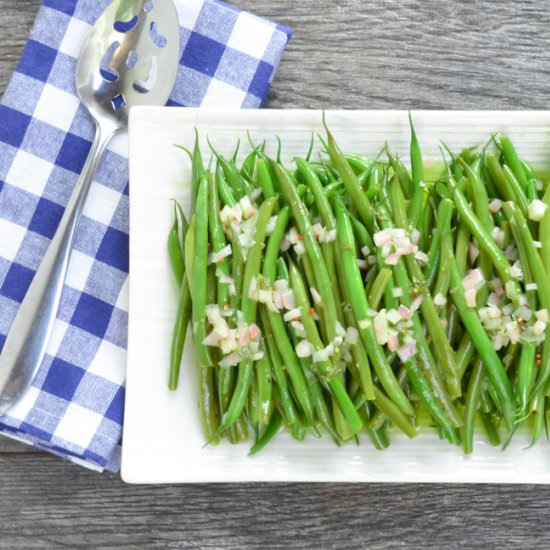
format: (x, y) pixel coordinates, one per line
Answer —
(345, 296)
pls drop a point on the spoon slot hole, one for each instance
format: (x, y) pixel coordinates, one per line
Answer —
(148, 7)
(132, 60)
(126, 26)
(118, 102)
(105, 69)
(145, 86)
(157, 38)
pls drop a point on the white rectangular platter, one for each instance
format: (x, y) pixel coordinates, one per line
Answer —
(162, 441)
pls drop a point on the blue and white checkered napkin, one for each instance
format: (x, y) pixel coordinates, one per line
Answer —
(228, 59)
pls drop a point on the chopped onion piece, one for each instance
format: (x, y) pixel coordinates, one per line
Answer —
(474, 280)
(539, 327)
(340, 330)
(394, 316)
(323, 354)
(542, 315)
(271, 224)
(495, 205)
(352, 335)
(422, 257)
(230, 360)
(215, 257)
(315, 295)
(328, 236)
(397, 292)
(498, 236)
(381, 327)
(473, 252)
(304, 348)
(470, 295)
(439, 299)
(293, 314)
(531, 286)
(516, 272)
(255, 193)
(365, 251)
(536, 210)
(405, 312)
(392, 259)
(511, 290)
(416, 303)
(406, 352)
(288, 299)
(363, 323)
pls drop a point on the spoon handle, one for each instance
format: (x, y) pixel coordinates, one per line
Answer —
(28, 337)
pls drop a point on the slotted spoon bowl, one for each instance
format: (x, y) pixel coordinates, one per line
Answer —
(130, 58)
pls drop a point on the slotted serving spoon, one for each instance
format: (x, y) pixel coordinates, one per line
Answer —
(130, 58)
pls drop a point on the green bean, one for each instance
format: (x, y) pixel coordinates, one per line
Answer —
(444, 214)
(354, 190)
(249, 164)
(276, 322)
(218, 241)
(521, 197)
(491, 360)
(470, 407)
(239, 186)
(442, 349)
(358, 351)
(179, 333)
(402, 174)
(379, 287)
(189, 254)
(325, 366)
(422, 369)
(225, 192)
(263, 179)
(419, 196)
(175, 251)
(531, 190)
(388, 407)
(484, 238)
(313, 250)
(279, 375)
(269, 434)
(490, 430)
(464, 354)
(361, 310)
(248, 308)
(513, 161)
(526, 366)
(207, 373)
(461, 249)
(197, 170)
(441, 283)
(263, 379)
(200, 269)
(507, 186)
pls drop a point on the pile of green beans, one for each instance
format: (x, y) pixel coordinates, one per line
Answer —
(474, 236)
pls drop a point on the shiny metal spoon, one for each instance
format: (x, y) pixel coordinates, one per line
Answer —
(130, 58)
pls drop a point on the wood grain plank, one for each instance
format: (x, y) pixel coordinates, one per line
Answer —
(10, 446)
(16, 19)
(47, 504)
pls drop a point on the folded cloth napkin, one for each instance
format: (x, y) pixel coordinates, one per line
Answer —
(75, 406)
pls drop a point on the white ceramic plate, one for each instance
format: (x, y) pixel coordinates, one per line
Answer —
(162, 434)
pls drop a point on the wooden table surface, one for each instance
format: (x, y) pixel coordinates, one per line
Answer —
(472, 54)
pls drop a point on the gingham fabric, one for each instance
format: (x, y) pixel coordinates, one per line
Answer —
(75, 406)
